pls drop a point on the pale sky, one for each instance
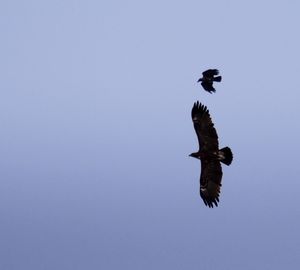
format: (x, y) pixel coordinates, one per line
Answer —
(96, 131)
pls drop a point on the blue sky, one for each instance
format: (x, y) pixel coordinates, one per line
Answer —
(96, 132)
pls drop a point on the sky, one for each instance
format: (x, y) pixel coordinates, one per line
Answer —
(95, 101)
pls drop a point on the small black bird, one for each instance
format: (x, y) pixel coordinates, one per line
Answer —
(208, 79)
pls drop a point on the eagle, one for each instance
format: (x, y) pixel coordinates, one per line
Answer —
(209, 154)
(208, 77)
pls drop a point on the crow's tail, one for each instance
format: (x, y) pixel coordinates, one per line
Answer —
(217, 79)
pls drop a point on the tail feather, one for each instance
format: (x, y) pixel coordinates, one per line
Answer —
(226, 155)
(218, 78)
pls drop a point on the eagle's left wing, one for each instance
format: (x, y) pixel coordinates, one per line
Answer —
(204, 127)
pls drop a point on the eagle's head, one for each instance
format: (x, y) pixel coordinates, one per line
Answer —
(195, 155)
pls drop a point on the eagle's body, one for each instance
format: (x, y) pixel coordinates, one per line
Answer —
(209, 154)
(208, 77)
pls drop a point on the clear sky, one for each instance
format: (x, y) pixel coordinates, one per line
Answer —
(96, 131)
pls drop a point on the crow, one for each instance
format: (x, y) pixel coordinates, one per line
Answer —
(208, 79)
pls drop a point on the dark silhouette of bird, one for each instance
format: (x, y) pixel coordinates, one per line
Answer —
(209, 154)
(210, 76)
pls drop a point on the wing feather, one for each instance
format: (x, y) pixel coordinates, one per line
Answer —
(208, 86)
(210, 181)
(204, 127)
(210, 73)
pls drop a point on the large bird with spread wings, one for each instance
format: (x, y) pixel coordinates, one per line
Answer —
(209, 154)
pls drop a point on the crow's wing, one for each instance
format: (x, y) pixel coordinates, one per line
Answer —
(210, 73)
(208, 86)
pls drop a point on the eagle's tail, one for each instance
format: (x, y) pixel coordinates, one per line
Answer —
(225, 155)
(217, 79)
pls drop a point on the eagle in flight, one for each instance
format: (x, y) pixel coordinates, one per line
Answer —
(208, 77)
(209, 154)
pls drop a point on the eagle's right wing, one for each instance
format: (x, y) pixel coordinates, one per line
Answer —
(210, 181)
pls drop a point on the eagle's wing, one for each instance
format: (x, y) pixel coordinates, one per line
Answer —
(208, 86)
(204, 127)
(210, 73)
(210, 181)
